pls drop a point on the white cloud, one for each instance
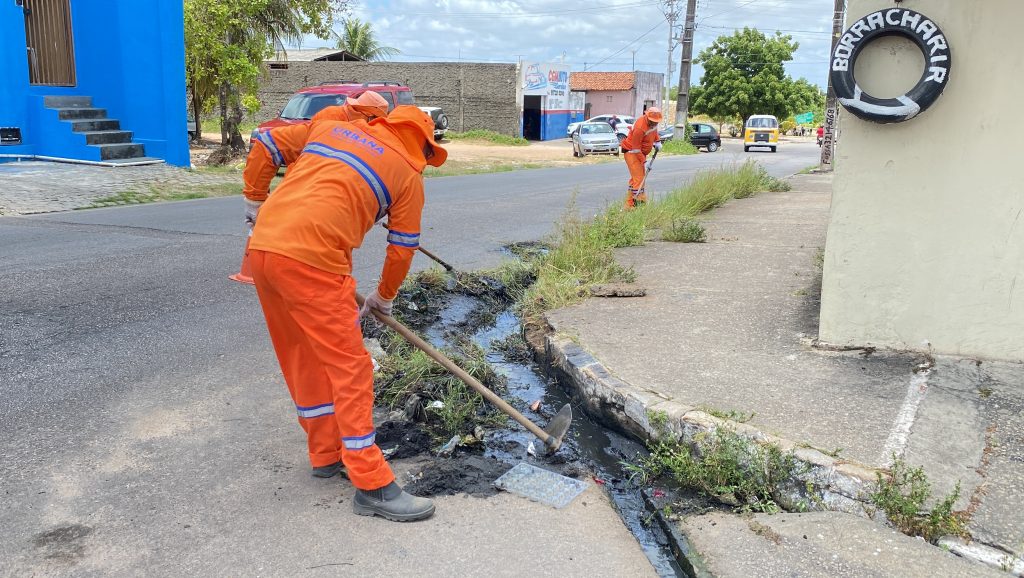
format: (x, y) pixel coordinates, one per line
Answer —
(588, 33)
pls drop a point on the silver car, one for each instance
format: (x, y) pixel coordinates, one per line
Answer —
(594, 138)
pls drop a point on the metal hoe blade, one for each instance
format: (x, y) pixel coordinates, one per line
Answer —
(557, 428)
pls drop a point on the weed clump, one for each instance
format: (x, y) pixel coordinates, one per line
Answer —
(449, 405)
(902, 494)
(684, 231)
(722, 464)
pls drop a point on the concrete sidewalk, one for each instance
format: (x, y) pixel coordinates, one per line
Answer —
(729, 326)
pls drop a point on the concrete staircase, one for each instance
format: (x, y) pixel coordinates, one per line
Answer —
(103, 138)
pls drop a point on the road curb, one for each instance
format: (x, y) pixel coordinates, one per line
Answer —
(824, 482)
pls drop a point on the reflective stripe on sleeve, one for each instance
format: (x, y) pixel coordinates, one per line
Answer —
(264, 138)
(404, 239)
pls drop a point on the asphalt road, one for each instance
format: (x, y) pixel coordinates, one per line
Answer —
(141, 410)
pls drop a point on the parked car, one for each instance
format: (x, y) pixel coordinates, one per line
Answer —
(762, 130)
(666, 134)
(594, 138)
(705, 136)
(190, 124)
(308, 101)
(440, 120)
(622, 129)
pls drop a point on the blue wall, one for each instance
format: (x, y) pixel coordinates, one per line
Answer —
(129, 57)
(554, 124)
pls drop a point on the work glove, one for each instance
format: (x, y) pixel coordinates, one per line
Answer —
(252, 208)
(375, 301)
(657, 145)
(647, 165)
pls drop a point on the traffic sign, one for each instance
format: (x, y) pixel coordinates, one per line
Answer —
(805, 118)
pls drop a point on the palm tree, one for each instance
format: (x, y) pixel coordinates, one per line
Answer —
(357, 37)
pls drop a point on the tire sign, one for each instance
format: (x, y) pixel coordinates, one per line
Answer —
(914, 26)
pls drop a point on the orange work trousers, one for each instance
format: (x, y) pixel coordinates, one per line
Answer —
(635, 195)
(314, 325)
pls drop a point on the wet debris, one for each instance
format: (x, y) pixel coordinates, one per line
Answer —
(473, 475)
(448, 449)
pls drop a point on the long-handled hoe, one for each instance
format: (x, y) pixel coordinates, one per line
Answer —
(551, 436)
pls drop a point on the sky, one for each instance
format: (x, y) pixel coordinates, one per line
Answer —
(603, 35)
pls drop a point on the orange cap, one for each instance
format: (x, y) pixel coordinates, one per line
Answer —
(369, 103)
(416, 129)
(653, 114)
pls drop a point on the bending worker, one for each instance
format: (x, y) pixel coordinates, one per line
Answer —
(635, 147)
(366, 106)
(342, 178)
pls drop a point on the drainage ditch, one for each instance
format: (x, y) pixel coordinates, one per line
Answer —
(472, 318)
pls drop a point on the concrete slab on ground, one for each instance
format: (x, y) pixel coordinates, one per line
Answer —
(726, 325)
(825, 544)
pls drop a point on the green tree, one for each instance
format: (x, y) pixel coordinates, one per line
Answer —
(807, 97)
(358, 38)
(227, 41)
(744, 74)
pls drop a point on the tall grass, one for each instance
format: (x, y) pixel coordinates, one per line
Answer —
(583, 253)
(487, 136)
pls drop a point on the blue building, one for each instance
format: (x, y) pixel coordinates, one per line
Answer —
(93, 80)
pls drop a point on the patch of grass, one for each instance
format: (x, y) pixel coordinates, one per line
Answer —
(678, 147)
(903, 493)
(684, 231)
(809, 170)
(456, 168)
(167, 192)
(733, 469)
(407, 371)
(819, 258)
(582, 253)
(732, 414)
(487, 136)
(213, 125)
(582, 256)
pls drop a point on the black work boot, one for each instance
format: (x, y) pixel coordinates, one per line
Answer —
(328, 471)
(393, 503)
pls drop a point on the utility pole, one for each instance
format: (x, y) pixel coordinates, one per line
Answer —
(683, 97)
(671, 14)
(828, 141)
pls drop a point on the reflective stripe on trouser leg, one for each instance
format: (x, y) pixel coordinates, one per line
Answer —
(635, 164)
(306, 378)
(323, 305)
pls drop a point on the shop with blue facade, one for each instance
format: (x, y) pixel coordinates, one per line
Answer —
(547, 105)
(93, 80)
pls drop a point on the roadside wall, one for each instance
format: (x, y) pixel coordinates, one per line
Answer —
(473, 95)
(926, 240)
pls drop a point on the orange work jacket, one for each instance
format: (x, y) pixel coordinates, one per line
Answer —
(342, 178)
(642, 136)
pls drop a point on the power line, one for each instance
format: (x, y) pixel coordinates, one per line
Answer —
(621, 50)
(822, 32)
(745, 4)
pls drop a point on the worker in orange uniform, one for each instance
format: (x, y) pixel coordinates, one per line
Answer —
(641, 139)
(367, 106)
(342, 178)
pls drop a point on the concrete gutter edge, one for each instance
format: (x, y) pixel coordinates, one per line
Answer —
(825, 484)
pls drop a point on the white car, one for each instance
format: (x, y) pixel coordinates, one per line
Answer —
(626, 123)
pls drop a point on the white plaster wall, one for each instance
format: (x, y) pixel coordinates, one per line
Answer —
(926, 241)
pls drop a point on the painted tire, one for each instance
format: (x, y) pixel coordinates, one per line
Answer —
(891, 22)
